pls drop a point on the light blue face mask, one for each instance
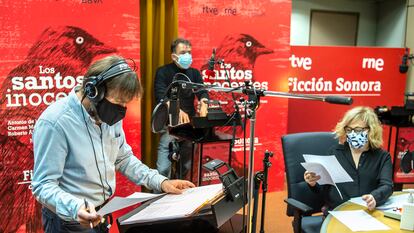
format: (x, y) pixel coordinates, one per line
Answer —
(357, 140)
(185, 60)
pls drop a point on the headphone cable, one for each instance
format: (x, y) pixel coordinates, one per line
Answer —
(93, 147)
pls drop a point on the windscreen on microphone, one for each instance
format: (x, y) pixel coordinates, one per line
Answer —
(212, 60)
(403, 68)
(338, 100)
(174, 112)
(404, 65)
(210, 71)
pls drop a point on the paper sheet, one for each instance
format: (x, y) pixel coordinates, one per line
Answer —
(175, 206)
(117, 203)
(396, 201)
(320, 170)
(331, 164)
(359, 220)
(328, 168)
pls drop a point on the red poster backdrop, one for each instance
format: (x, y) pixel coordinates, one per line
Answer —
(252, 37)
(45, 48)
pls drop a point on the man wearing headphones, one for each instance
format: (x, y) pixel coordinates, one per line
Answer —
(79, 143)
(179, 69)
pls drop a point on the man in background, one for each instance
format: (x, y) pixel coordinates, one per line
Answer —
(179, 69)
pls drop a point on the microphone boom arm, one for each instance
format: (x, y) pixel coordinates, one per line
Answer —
(328, 99)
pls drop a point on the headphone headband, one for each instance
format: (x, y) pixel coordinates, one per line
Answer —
(94, 89)
(114, 70)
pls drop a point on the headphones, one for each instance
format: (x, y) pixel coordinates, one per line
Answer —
(94, 89)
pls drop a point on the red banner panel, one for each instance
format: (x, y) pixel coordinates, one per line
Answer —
(45, 48)
(369, 75)
(252, 40)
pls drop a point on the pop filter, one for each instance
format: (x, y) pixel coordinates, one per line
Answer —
(159, 118)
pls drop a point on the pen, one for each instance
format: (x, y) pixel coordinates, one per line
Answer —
(87, 210)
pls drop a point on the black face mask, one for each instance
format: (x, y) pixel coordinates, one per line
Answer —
(110, 113)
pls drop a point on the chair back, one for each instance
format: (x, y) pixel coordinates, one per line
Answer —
(294, 146)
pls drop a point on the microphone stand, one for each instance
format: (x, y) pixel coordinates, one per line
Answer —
(261, 177)
(252, 105)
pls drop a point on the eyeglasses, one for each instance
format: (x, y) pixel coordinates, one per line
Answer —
(356, 129)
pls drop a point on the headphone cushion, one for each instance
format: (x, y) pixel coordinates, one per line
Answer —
(101, 93)
(90, 90)
(93, 92)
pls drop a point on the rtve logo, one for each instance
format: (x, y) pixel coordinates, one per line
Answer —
(372, 63)
(300, 62)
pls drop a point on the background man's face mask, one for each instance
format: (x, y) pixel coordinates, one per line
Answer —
(357, 140)
(184, 60)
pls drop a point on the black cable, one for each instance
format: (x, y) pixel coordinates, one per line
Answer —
(93, 147)
(173, 82)
(104, 159)
(244, 165)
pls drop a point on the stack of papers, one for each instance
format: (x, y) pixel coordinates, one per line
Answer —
(177, 206)
(396, 201)
(359, 220)
(328, 167)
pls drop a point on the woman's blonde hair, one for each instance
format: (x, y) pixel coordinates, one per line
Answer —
(367, 115)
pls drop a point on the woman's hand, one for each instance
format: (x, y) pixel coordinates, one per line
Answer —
(311, 178)
(370, 200)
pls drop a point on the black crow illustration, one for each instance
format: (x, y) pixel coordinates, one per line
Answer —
(241, 52)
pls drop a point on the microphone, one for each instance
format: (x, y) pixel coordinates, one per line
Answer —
(404, 66)
(210, 71)
(174, 108)
(338, 100)
(191, 85)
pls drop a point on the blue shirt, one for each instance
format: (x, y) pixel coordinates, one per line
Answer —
(69, 168)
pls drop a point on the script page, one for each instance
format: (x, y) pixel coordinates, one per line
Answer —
(177, 206)
(117, 203)
(329, 168)
(331, 164)
(359, 220)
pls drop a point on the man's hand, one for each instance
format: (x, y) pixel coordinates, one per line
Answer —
(176, 186)
(370, 200)
(203, 107)
(85, 218)
(183, 117)
(311, 178)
